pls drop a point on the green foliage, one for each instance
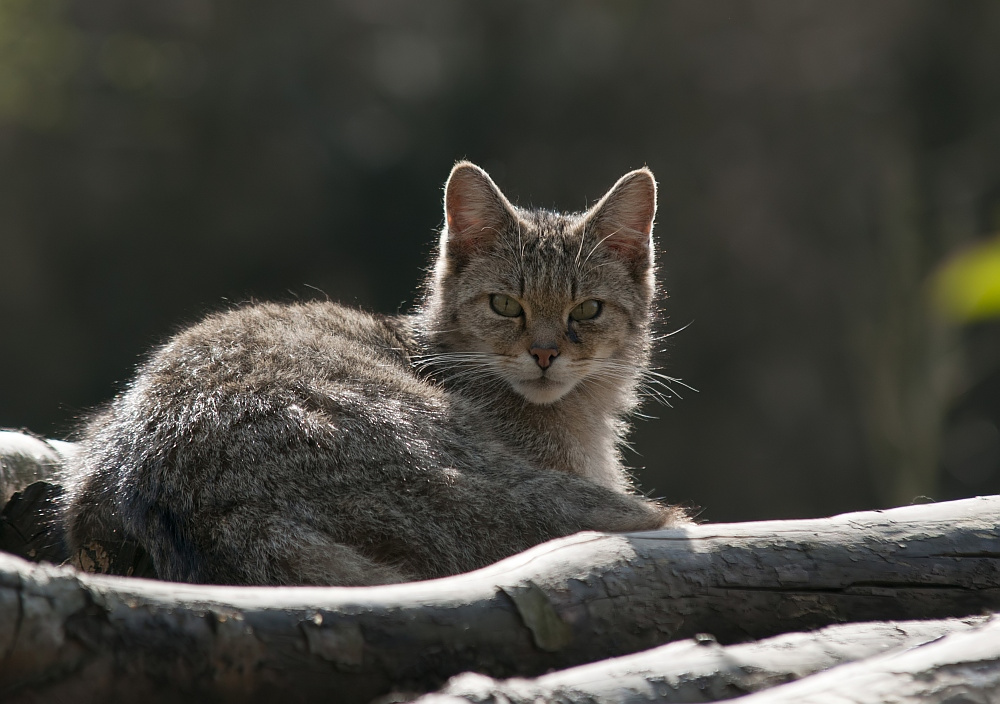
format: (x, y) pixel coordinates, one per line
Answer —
(967, 287)
(39, 57)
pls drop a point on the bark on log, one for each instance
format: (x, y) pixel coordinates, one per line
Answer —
(571, 601)
(961, 668)
(701, 670)
(26, 458)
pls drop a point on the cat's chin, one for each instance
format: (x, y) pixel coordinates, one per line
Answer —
(542, 391)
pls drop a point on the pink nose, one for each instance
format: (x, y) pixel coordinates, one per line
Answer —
(544, 355)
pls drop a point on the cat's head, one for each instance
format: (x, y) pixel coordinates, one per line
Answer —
(546, 302)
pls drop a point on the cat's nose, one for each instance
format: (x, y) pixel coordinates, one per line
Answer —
(544, 355)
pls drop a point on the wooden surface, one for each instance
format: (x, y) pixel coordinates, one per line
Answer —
(701, 670)
(26, 458)
(572, 601)
(960, 668)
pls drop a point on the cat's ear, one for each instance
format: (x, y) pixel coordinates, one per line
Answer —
(622, 220)
(475, 210)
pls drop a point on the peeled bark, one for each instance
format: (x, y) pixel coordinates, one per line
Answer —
(701, 670)
(572, 601)
(961, 668)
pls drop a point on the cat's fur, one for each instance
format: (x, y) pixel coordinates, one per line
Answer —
(318, 444)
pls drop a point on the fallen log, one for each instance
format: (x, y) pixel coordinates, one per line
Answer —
(701, 670)
(572, 601)
(960, 668)
(27, 458)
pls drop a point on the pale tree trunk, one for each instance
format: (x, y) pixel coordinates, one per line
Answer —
(909, 364)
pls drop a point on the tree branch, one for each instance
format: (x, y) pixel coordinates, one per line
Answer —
(960, 667)
(701, 670)
(572, 601)
(26, 458)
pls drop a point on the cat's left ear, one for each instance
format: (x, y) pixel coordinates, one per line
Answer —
(622, 220)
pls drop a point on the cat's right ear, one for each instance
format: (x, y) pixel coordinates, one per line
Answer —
(475, 210)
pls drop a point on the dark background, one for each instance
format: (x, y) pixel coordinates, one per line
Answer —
(817, 162)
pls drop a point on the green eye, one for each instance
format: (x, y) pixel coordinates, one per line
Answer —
(586, 310)
(505, 305)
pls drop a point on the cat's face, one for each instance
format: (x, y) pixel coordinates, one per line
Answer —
(546, 302)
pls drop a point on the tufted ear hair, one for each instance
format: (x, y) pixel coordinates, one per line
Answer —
(622, 221)
(475, 210)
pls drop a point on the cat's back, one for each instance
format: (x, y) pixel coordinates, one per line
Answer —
(248, 418)
(253, 382)
(277, 368)
(274, 346)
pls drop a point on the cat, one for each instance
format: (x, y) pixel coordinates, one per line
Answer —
(312, 443)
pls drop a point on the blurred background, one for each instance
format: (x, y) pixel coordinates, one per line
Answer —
(821, 166)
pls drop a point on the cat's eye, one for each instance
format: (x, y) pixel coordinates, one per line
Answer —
(586, 310)
(505, 305)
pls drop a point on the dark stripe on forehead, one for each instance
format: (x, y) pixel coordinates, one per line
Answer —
(548, 277)
(546, 246)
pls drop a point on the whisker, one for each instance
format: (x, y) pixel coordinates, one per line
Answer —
(603, 239)
(671, 334)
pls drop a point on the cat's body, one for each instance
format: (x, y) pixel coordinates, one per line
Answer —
(317, 444)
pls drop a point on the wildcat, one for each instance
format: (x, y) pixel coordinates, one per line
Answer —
(313, 443)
